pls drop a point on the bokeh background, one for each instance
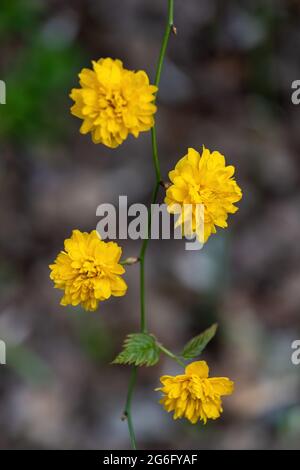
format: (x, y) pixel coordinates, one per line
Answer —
(226, 84)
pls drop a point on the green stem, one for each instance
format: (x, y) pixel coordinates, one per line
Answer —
(143, 323)
(127, 411)
(164, 45)
(170, 354)
(155, 154)
(156, 164)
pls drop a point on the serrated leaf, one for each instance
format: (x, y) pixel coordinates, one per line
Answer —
(139, 349)
(197, 344)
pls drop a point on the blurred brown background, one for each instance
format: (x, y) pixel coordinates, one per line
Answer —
(226, 84)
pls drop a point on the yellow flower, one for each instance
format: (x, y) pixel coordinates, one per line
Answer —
(202, 179)
(193, 395)
(113, 102)
(88, 270)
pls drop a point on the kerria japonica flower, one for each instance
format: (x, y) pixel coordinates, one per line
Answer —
(193, 395)
(202, 179)
(88, 270)
(113, 102)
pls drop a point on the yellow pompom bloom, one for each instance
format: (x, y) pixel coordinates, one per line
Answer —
(88, 270)
(113, 102)
(202, 179)
(194, 395)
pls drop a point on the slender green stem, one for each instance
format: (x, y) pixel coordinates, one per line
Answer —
(163, 50)
(143, 324)
(155, 154)
(164, 44)
(156, 164)
(127, 411)
(170, 354)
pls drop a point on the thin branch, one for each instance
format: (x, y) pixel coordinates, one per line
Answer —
(127, 411)
(143, 323)
(170, 354)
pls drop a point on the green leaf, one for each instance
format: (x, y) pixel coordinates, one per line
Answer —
(140, 349)
(196, 345)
